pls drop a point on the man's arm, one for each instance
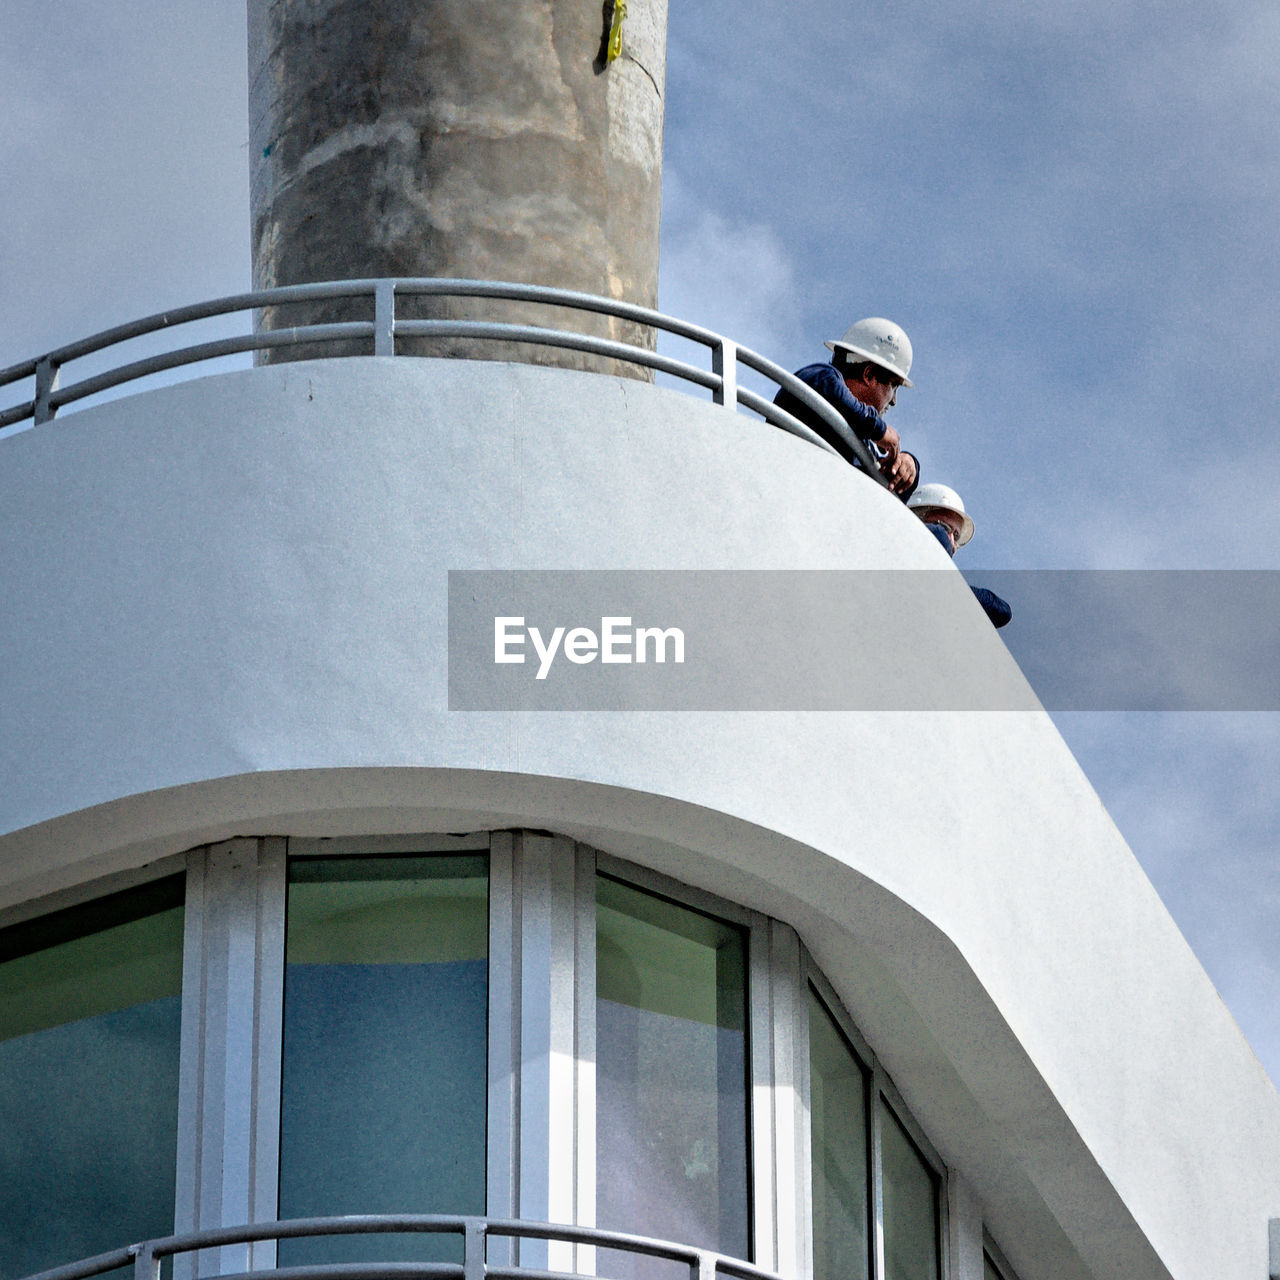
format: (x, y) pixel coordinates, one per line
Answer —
(867, 424)
(901, 470)
(996, 609)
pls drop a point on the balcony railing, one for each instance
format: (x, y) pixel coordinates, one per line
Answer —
(719, 376)
(474, 1234)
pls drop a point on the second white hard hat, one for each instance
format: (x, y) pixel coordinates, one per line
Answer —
(946, 498)
(880, 341)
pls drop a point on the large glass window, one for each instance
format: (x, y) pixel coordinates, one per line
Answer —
(671, 1071)
(385, 1045)
(838, 1123)
(910, 1204)
(384, 1064)
(90, 1015)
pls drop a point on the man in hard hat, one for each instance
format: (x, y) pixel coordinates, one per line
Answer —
(945, 517)
(870, 363)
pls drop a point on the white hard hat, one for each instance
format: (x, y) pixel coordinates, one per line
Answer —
(941, 495)
(880, 341)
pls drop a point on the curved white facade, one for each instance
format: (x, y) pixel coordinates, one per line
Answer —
(226, 615)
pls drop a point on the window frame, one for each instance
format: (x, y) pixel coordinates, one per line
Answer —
(992, 1253)
(540, 1147)
(90, 892)
(78, 895)
(882, 1089)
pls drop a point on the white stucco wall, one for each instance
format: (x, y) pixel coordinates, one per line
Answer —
(225, 612)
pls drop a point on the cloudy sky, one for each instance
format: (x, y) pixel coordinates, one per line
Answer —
(1071, 208)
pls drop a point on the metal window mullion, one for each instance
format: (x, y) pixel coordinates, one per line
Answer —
(418, 844)
(989, 1249)
(585, 1050)
(191, 1056)
(268, 1032)
(803, 1135)
(229, 1081)
(780, 1149)
(963, 1244)
(547, 1128)
(942, 1212)
(764, 1018)
(875, 1158)
(664, 886)
(504, 1044)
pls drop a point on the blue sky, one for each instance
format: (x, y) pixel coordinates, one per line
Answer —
(1071, 208)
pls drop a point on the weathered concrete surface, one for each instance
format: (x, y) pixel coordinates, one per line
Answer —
(470, 138)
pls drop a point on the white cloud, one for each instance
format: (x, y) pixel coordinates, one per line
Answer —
(127, 126)
(733, 276)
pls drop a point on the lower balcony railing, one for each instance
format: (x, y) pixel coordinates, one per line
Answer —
(474, 1235)
(50, 392)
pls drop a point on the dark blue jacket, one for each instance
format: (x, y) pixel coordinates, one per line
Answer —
(995, 608)
(864, 421)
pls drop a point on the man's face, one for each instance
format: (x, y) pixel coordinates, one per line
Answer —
(877, 388)
(948, 519)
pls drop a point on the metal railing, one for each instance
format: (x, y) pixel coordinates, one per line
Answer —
(720, 378)
(474, 1233)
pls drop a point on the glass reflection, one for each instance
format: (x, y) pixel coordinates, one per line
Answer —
(910, 1205)
(385, 1047)
(90, 1014)
(838, 1130)
(671, 1073)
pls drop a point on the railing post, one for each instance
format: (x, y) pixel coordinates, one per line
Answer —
(384, 318)
(473, 1267)
(705, 1267)
(47, 373)
(146, 1266)
(724, 364)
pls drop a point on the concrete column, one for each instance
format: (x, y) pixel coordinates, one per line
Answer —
(471, 138)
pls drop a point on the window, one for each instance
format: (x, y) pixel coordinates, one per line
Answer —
(910, 1204)
(671, 1071)
(90, 1014)
(385, 1044)
(838, 1122)
(867, 1163)
(511, 1024)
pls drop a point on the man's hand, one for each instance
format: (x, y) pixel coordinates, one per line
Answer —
(890, 444)
(897, 467)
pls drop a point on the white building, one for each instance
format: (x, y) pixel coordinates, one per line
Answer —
(835, 994)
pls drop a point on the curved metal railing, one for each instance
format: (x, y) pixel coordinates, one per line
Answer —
(720, 378)
(474, 1234)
